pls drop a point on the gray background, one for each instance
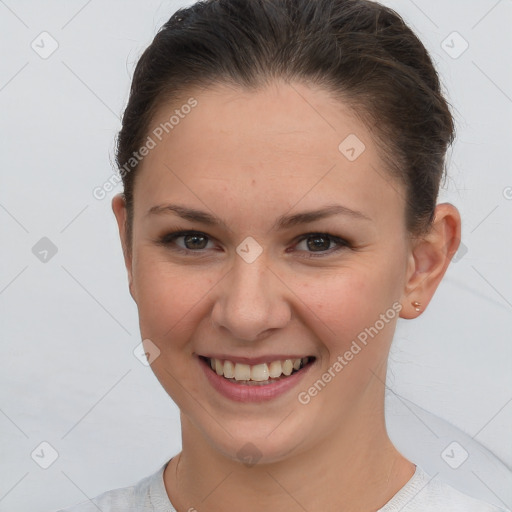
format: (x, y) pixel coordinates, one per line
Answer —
(69, 376)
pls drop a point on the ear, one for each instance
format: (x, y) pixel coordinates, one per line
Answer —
(430, 256)
(120, 212)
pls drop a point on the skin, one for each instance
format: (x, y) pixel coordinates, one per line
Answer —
(249, 157)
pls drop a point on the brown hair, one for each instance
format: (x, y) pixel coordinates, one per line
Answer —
(361, 51)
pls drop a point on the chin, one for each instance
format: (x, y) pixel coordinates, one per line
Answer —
(261, 442)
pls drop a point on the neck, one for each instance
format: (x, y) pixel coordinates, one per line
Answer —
(353, 469)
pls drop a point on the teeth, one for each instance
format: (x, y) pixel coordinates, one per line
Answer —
(229, 370)
(275, 369)
(242, 372)
(287, 367)
(258, 372)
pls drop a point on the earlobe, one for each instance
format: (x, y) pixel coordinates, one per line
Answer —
(430, 257)
(120, 212)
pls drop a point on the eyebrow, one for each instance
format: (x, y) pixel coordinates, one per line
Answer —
(283, 222)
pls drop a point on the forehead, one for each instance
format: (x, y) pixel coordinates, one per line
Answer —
(269, 120)
(272, 146)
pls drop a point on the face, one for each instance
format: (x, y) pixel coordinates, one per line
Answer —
(252, 280)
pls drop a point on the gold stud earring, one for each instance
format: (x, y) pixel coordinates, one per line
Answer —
(416, 305)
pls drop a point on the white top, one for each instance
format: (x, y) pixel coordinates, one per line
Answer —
(422, 493)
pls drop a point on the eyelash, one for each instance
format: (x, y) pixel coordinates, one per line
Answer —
(169, 239)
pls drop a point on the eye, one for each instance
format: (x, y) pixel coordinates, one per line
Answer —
(320, 243)
(193, 241)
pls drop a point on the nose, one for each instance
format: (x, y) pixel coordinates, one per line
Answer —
(252, 301)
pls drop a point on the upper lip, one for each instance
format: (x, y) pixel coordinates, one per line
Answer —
(254, 360)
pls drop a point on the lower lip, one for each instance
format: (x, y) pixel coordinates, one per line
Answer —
(252, 392)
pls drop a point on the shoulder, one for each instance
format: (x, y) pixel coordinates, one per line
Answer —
(442, 496)
(124, 499)
(109, 501)
(147, 495)
(430, 494)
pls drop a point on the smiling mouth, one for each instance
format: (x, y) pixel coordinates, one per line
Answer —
(258, 374)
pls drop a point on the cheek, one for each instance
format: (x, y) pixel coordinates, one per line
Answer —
(349, 299)
(168, 296)
(361, 309)
(171, 303)
(359, 304)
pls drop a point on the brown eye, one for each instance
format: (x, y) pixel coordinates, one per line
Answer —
(193, 241)
(319, 242)
(322, 244)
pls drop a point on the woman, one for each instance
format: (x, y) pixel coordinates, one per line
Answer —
(281, 161)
